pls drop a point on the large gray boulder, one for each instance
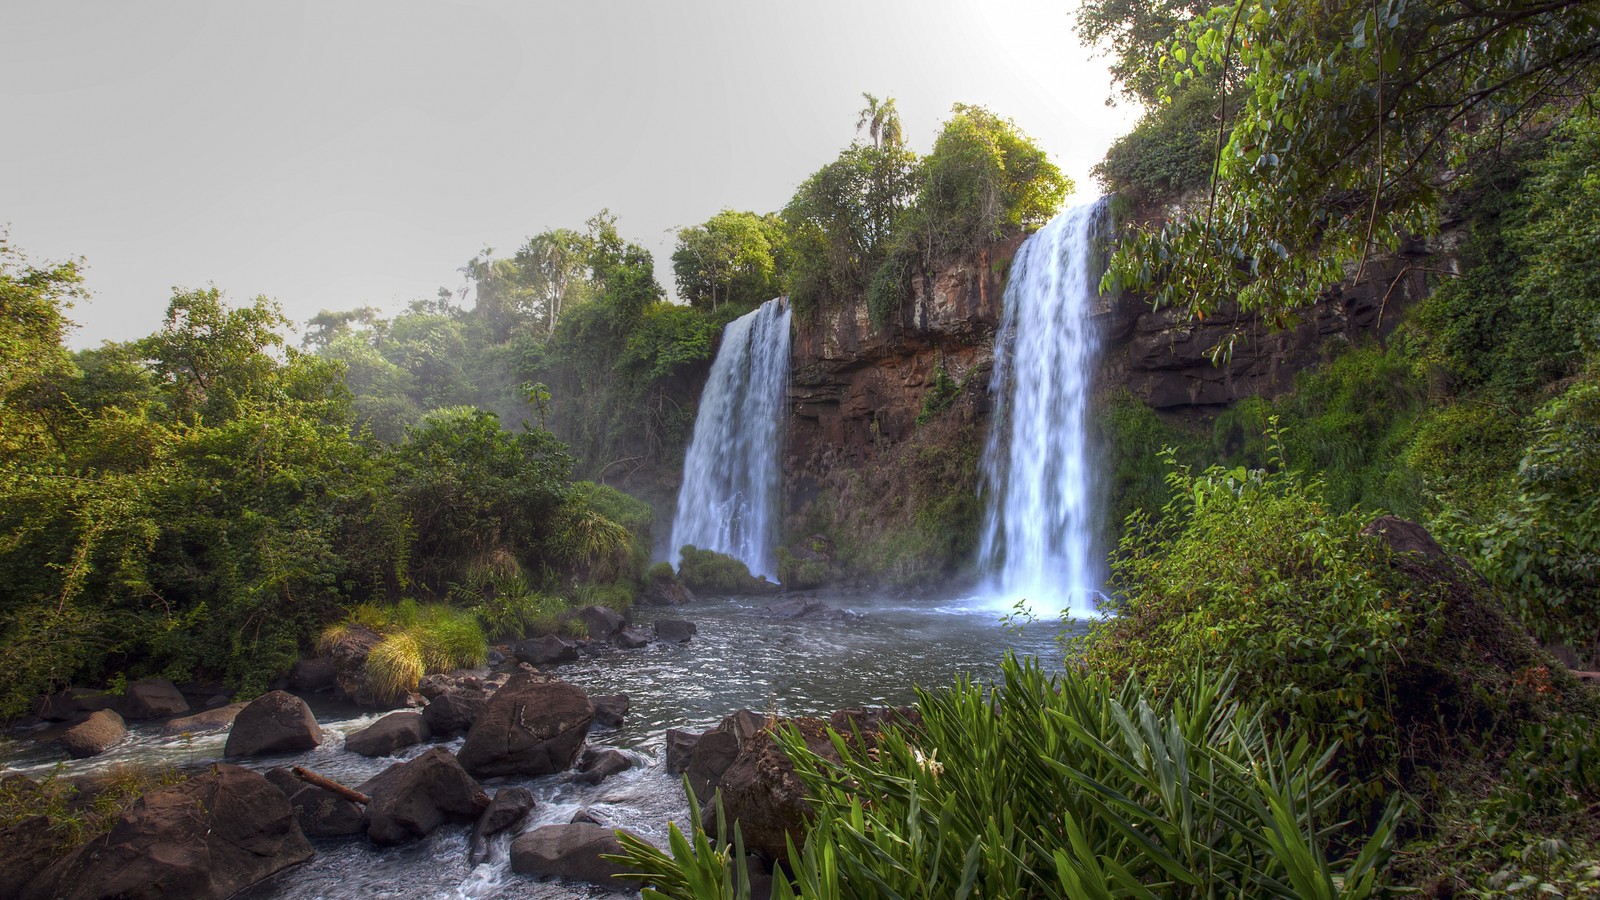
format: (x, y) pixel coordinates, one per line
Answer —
(610, 709)
(809, 609)
(30, 847)
(66, 705)
(602, 621)
(532, 726)
(596, 766)
(411, 799)
(509, 806)
(714, 751)
(320, 813)
(315, 675)
(152, 698)
(547, 650)
(451, 714)
(675, 631)
(275, 722)
(571, 853)
(205, 839)
(680, 748)
(94, 735)
(201, 722)
(395, 731)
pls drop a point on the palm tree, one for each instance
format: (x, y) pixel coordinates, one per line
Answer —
(882, 122)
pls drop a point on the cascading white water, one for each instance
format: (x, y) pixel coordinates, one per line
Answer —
(1038, 539)
(729, 499)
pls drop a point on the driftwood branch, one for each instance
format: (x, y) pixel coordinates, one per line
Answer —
(331, 786)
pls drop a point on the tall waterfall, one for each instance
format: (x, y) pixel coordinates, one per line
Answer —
(729, 499)
(1041, 494)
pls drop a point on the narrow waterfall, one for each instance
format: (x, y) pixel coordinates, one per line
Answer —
(1040, 489)
(729, 499)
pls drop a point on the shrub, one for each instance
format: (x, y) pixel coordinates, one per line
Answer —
(80, 809)
(1404, 662)
(1058, 787)
(617, 595)
(799, 574)
(715, 573)
(1170, 151)
(418, 639)
(1544, 546)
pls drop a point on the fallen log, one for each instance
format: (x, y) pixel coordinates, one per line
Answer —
(329, 785)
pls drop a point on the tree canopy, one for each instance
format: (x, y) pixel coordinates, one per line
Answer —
(1352, 121)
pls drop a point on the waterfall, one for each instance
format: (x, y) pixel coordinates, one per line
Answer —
(729, 499)
(1039, 531)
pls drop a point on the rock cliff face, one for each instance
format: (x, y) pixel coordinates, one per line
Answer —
(1165, 358)
(856, 389)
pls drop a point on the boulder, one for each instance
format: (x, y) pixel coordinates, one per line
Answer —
(571, 853)
(451, 714)
(30, 848)
(596, 766)
(1403, 536)
(275, 722)
(209, 837)
(602, 621)
(666, 592)
(761, 792)
(532, 726)
(439, 684)
(634, 638)
(547, 650)
(411, 799)
(67, 705)
(809, 609)
(94, 735)
(320, 813)
(314, 676)
(152, 698)
(610, 710)
(680, 748)
(201, 722)
(716, 750)
(349, 650)
(395, 731)
(587, 817)
(675, 631)
(509, 806)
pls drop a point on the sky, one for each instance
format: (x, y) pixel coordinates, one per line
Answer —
(331, 155)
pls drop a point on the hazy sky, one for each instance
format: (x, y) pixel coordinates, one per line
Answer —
(335, 154)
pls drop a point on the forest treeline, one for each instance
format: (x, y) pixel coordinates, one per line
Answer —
(209, 501)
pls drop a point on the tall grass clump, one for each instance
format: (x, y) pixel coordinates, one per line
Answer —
(418, 639)
(1057, 787)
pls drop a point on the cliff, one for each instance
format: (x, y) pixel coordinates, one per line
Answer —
(855, 387)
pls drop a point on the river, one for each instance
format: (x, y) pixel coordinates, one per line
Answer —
(737, 660)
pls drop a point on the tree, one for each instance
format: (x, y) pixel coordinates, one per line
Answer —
(1355, 118)
(553, 266)
(33, 324)
(727, 259)
(984, 179)
(1139, 33)
(210, 358)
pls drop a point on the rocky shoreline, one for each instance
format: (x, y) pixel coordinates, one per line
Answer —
(515, 720)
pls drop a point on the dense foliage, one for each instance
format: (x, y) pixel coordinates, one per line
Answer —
(878, 217)
(1069, 787)
(1351, 122)
(198, 503)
